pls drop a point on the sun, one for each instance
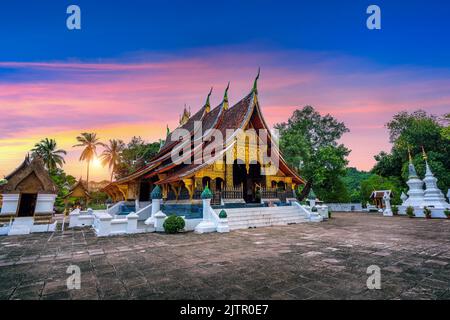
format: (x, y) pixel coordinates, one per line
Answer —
(96, 162)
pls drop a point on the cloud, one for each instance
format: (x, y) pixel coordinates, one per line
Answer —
(139, 95)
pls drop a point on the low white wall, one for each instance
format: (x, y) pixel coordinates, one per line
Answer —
(344, 207)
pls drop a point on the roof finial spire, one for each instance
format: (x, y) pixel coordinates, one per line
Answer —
(255, 84)
(225, 97)
(409, 155)
(424, 154)
(167, 130)
(207, 103)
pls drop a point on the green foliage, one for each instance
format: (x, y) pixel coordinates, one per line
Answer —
(330, 214)
(173, 224)
(47, 150)
(395, 210)
(223, 214)
(111, 155)
(446, 129)
(309, 142)
(352, 180)
(415, 130)
(135, 155)
(427, 212)
(3, 181)
(376, 182)
(447, 213)
(63, 182)
(98, 200)
(410, 212)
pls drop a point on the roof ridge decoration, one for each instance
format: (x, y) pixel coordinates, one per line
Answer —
(427, 167)
(255, 83)
(185, 117)
(207, 103)
(225, 104)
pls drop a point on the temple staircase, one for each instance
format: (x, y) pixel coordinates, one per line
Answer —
(244, 218)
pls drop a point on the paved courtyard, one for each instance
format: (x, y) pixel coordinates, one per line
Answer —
(307, 261)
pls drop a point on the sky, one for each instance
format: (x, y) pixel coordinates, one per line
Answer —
(134, 64)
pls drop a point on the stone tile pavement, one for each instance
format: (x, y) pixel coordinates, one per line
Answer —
(306, 261)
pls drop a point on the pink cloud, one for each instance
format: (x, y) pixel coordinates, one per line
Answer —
(61, 99)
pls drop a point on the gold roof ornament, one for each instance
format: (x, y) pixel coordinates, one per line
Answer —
(255, 83)
(424, 154)
(225, 97)
(207, 103)
(185, 116)
(409, 155)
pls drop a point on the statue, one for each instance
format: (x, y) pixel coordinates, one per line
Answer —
(387, 204)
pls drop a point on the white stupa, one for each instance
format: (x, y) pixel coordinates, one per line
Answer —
(433, 195)
(415, 193)
(432, 198)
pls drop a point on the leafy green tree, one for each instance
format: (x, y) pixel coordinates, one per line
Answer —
(414, 131)
(309, 142)
(352, 179)
(136, 154)
(111, 155)
(89, 142)
(63, 182)
(50, 154)
(376, 182)
(446, 128)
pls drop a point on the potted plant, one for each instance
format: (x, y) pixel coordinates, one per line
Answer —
(395, 210)
(447, 213)
(427, 212)
(410, 212)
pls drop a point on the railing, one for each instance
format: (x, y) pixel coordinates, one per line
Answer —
(274, 193)
(268, 193)
(233, 192)
(217, 197)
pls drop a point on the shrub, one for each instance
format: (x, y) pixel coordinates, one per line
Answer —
(427, 212)
(395, 210)
(329, 214)
(410, 212)
(173, 224)
(447, 213)
(223, 214)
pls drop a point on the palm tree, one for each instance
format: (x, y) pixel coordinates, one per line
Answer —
(90, 142)
(52, 157)
(111, 155)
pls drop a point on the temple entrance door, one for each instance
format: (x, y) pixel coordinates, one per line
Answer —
(254, 179)
(240, 176)
(27, 204)
(249, 180)
(144, 191)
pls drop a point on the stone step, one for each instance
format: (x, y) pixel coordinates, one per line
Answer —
(266, 216)
(259, 209)
(265, 219)
(265, 213)
(259, 224)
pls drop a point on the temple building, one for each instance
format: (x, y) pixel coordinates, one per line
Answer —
(244, 179)
(28, 199)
